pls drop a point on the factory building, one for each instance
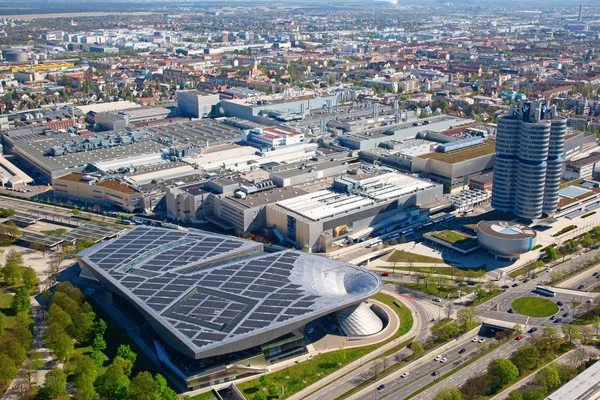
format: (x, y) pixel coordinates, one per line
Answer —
(272, 110)
(272, 137)
(195, 104)
(315, 220)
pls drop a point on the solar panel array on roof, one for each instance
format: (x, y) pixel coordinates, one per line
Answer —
(196, 285)
(47, 241)
(24, 219)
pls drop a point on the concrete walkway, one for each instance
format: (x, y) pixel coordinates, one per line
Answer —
(20, 382)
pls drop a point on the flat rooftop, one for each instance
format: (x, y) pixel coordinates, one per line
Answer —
(199, 133)
(37, 150)
(207, 294)
(582, 387)
(454, 157)
(375, 188)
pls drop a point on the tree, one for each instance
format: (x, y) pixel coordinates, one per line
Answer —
(466, 318)
(8, 371)
(480, 291)
(113, 384)
(552, 253)
(264, 380)
(163, 389)
(517, 327)
(20, 301)
(596, 323)
(30, 278)
(98, 344)
(12, 274)
(273, 391)
(37, 245)
(572, 245)
(14, 257)
(84, 243)
(515, 395)
(449, 393)
(587, 240)
(502, 371)
(548, 378)
(449, 309)
(550, 339)
(143, 387)
(56, 383)
(53, 269)
(259, 396)
(128, 358)
(2, 323)
(587, 333)
(34, 363)
(526, 357)
(84, 371)
(63, 347)
(100, 327)
(417, 348)
(571, 333)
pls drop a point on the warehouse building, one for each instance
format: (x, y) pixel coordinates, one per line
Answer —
(195, 104)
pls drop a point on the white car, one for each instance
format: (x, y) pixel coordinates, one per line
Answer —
(481, 340)
(443, 360)
(475, 339)
(404, 375)
(438, 358)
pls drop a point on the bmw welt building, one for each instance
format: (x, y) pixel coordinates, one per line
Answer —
(217, 308)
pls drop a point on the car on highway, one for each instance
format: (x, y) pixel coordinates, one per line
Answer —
(505, 287)
(443, 360)
(481, 340)
(533, 277)
(596, 274)
(475, 339)
(526, 280)
(510, 311)
(515, 284)
(461, 351)
(381, 387)
(437, 299)
(559, 303)
(404, 375)
(438, 358)
(385, 274)
(435, 373)
(532, 330)
(580, 286)
(547, 269)
(566, 314)
(557, 320)
(589, 301)
(520, 337)
(553, 317)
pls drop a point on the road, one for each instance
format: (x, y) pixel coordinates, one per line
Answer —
(422, 375)
(478, 367)
(364, 372)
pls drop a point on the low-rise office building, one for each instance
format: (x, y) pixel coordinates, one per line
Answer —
(92, 189)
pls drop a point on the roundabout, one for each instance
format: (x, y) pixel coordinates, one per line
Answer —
(535, 307)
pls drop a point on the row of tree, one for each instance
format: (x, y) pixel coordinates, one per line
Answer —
(71, 323)
(502, 371)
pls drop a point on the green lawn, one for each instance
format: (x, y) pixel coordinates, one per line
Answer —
(450, 236)
(298, 376)
(5, 300)
(432, 289)
(588, 317)
(404, 256)
(489, 296)
(535, 307)
(448, 271)
(205, 396)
